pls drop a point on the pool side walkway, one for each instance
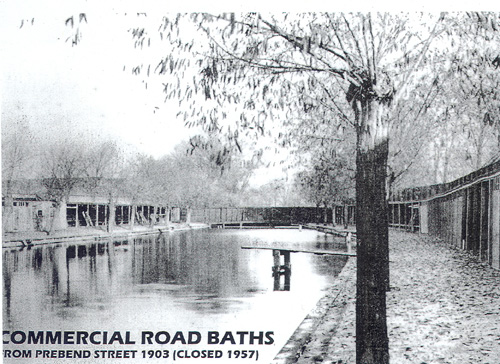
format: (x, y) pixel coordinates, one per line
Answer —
(443, 307)
(91, 233)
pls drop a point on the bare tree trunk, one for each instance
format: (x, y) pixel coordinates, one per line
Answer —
(8, 209)
(372, 343)
(55, 215)
(188, 215)
(167, 217)
(152, 218)
(334, 215)
(111, 216)
(133, 210)
(52, 226)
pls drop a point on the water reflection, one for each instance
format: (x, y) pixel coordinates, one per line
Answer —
(167, 279)
(282, 270)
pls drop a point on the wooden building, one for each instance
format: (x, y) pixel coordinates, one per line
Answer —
(28, 207)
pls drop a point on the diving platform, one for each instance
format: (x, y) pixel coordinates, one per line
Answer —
(311, 251)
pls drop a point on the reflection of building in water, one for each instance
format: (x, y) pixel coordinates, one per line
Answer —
(207, 266)
(62, 279)
(51, 277)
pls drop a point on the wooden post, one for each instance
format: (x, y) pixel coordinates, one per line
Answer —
(279, 270)
(77, 222)
(106, 213)
(346, 216)
(482, 217)
(348, 241)
(490, 222)
(111, 216)
(131, 215)
(495, 222)
(410, 225)
(96, 206)
(276, 269)
(287, 270)
(464, 218)
(152, 216)
(401, 215)
(167, 217)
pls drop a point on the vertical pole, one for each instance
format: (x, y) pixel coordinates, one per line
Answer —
(111, 215)
(495, 223)
(346, 216)
(468, 213)
(490, 221)
(287, 269)
(77, 221)
(482, 205)
(348, 241)
(400, 211)
(167, 216)
(276, 269)
(106, 213)
(132, 212)
(411, 217)
(286, 255)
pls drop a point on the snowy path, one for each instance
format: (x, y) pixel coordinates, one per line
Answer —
(445, 304)
(443, 307)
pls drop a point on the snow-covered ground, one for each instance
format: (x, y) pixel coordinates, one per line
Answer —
(443, 307)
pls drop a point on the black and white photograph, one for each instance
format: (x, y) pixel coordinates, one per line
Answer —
(225, 185)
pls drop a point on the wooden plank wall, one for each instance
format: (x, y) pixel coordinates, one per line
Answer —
(468, 218)
(464, 213)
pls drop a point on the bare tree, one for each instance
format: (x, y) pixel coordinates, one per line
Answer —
(251, 72)
(16, 153)
(63, 168)
(265, 66)
(84, 164)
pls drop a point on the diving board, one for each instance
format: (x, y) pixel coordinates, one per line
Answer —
(311, 251)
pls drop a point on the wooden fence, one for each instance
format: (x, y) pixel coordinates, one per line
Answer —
(465, 213)
(274, 215)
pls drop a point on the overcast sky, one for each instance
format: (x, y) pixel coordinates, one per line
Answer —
(60, 89)
(89, 89)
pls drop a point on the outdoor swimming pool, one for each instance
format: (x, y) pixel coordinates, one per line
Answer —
(198, 280)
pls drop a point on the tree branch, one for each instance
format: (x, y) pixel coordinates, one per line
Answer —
(404, 83)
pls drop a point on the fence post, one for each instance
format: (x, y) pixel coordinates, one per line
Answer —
(348, 241)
